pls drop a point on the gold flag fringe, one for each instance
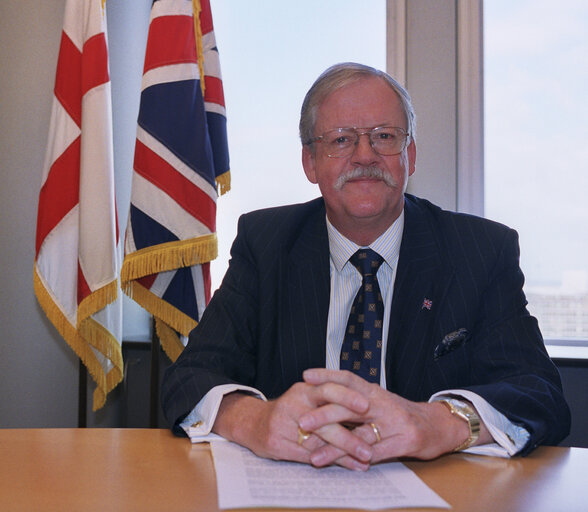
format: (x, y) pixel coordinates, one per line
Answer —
(102, 340)
(167, 256)
(160, 308)
(170, 341)
(196, 9)
(223, 183)
(97, 300)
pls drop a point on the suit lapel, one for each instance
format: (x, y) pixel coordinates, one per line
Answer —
(304, 303)
(422, 279)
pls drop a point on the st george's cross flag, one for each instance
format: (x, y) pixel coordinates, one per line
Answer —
(77, 259)
(181, 161)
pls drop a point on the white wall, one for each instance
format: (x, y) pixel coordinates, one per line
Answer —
(38, 371)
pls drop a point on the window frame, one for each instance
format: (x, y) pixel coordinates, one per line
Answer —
(469, 105)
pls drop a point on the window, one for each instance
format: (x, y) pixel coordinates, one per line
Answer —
(270, 54)
(536, 150)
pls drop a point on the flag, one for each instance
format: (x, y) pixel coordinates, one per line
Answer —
(76, 255)
(181, 163)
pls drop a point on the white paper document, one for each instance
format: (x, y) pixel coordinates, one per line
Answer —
(245, 480)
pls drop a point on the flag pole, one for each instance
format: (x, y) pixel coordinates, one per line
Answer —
(154, 382)
(82, 395)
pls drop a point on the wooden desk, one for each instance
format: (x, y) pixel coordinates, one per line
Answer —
(150, 470)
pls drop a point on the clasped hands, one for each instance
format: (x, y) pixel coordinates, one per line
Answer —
(342, 419)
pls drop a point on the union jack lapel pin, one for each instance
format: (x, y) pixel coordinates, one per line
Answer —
(427, 304)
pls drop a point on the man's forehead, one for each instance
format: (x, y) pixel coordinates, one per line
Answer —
(368, 100)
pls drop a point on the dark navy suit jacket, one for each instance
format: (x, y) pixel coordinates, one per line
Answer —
(267, 322)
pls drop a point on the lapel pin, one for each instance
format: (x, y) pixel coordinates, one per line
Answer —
(427, 304)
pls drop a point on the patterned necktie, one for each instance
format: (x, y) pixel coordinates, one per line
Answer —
(362, 344)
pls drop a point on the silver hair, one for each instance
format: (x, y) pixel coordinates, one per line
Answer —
(338, 76)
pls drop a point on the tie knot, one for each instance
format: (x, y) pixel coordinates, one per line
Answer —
(366, 261)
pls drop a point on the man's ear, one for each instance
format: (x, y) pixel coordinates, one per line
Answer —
(309, 163)
(411, 151)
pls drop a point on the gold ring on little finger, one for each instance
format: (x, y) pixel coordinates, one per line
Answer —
(303, 435)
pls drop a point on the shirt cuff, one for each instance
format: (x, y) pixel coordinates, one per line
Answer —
(509, 438)
(198, 424)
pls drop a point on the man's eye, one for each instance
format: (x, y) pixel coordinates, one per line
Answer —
(341, 139)
(385, 136)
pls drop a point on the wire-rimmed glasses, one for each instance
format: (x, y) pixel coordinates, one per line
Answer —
(385, 140)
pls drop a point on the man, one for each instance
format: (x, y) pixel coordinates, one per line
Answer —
(453, 359)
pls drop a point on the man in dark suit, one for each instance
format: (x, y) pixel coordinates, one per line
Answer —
(459, 363)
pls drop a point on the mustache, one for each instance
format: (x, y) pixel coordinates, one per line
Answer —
(365, 172)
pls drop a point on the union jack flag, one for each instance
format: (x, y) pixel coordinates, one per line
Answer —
(427, 304)
(77, 255)
(181, 162)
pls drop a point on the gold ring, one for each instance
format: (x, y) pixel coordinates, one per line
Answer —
(303, 435)
(376, 432)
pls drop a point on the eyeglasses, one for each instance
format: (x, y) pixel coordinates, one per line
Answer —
(385, 140)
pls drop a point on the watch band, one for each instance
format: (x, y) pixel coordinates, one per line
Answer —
(467, 413)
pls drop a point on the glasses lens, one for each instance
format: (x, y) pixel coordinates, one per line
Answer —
(340, 142)
(388, 140)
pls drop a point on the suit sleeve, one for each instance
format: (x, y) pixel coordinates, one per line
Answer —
(511, 368)
(220, 349)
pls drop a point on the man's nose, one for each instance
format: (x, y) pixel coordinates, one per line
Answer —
(363, 152)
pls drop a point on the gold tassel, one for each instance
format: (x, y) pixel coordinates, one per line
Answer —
(170, 341)
(168, 256)
(79, 345)
(196, 8)
(223, 183)
(103, 341)
(160, 308)
(97, 300)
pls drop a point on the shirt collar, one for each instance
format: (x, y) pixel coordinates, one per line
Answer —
(386, 245)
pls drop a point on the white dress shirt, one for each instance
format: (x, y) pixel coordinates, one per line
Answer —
(345, 283)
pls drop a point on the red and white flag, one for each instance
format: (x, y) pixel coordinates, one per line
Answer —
(77, 257)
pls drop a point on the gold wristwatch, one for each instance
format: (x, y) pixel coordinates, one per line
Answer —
(467, 413)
